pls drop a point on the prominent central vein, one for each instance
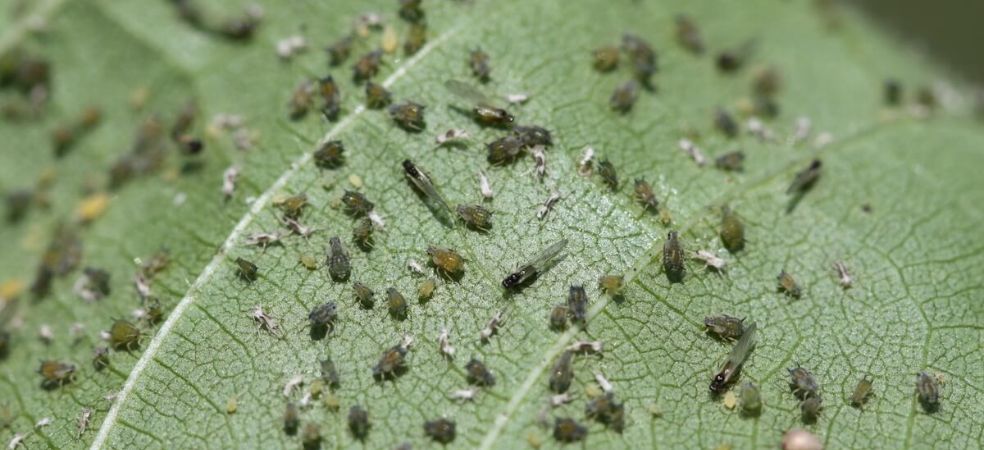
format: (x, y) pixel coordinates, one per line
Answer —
(230, 241)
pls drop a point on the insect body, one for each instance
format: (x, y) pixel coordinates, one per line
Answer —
(377, 96)
(534, 267)
(731, 161)
(673, 257)
(447, 261)
(483, 111)
(358, 422)
(806, 178)
(861, 393)
(363, 295)
(607, 410)
(737, 357)
(751, 398)
(55, 373)
(367, 66)
(475, 216)
(479, 374)
(725, 327)
(788, 285)
(612, 285)
(441, 430)
(642, 57)
(356, 204)
(732, 230)
(562, 372)
(688, 35)
(624, 97)
(605, 58)
(928, 390)
(803, 384)
(396, 303)
(408, 115)
(577, 304)
(568, 430)
(331, 97)
(479, 63)
(339, 266)
(124, 335)
(810, 409)
(644, 195)
(330, 155)
(558, 317)
(391, 364)
(323, 316)
(423, 183)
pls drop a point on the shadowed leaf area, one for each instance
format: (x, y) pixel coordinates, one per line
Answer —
(199, 153)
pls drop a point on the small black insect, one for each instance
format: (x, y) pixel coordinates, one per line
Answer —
(362, 233)
(732, 230)
(301, 100)
(806, 178)
(392, 364)
(363, 295)
(624, 96)
(323, 316)
(330, 155)
(124, 335)
(56, 373)
(329, 374)
(688, 34)
(643, 193)
(479, 63)
(292, 418)
(531, 135)
(356, 204)
(568, 430)
(377, 96)
(396, 303)
(810, 409)
(367, 66)
(311, 436)
(475, 217)
(725, 123)
(440, 430)
(340, 50)
(577, 304)
(479, 374)
(562, 373)
(607, 410)
(339, 266)
(331, 97)
(732, 161)
(731, 60)
(410, 10)
(100, 358)
(642, 56)
(408, 115)
(673, 257)
(725, 327)
(928, 390)
(803, 384)
(558, 317)
(893, 92)
(416, 38)
(504, 150)
(534, 267)
(605, 58)
(358, 422)
(788, 285)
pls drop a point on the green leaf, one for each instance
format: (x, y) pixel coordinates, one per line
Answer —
(913, 305)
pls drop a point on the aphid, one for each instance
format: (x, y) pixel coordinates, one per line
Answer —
(448, 262)
(562, 372)
(311, 436)
(453, 136)
(491, 327)
(928, 390)
(483, 112)
(797, 439)
(329, 374)
(802, 383)
(607, 410)
(673, 257)
(330, 155)
(504, 150)
(377, 96)
(340, 50)
(788, 285)
(568, 430)
(643, 193)
(533, 135)
(410, 10)
(463, 394)
(577, 303)
(356, 204)
(535, 266)
(232, 405)
(246, 270)
(587, 347)
(18, 202)
(293, 206)
(844, 277)
(688, 35)
(767, 82)
(484, 187)
(66, 136)
(408, 115)
(229, 181)
(926, 97)
(362, 233)
(751, 398)
(892, 91)
(731, 161)
(558, 317)
(367, 66)
(478, 61)
(416, 38)
(100, 358)
(710, 260)
(392, 364)
(724, 122)
(331, 97)
(323, 316)
(56, 373)
(363, 295)
(241, 28)
(605, 58)
(475, 217)
(124, 335)
(607, 173)
(732, 230)
(730, 60)
(444, 344)
(339, 266)
(806, 178)
(693, 151)
(641, 55)
(85, 416)
(396, 303)
(478, 374)
(737, 357)
(624, 96)
(725, 327)
(440, 430)
(861, 393)
(612, 284)
(422, 181)
(266, 322)
(426, 290)
(291, 418)
(810, 409)
(547, 205)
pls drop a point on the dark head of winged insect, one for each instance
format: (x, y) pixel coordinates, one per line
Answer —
(534, 267)
(737, 357)
(482, 110)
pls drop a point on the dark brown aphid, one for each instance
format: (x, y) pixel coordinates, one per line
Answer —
(788, 285)
(156, 263)
(612, 285)
(803, 384)
(362, 233)
(377, 96)
(642, 56)
(246, 270)
(562, 372)
(440, 430)
(358, 422)
(363, 295)
(928, 390)
(568, 430)
(124, 335)
(624, 97)
(340, 50)
(479, 374)
(725, 327)
(531, 135)
(293, 206)
(731, 60)
(893, 92)
(862, 391)
(392, 364)
(643, 193)
(724, 122)
(806, 178)
(301, 100)
(416, 38)
(153, 312)
(330, 155)
(331, 97)
(448, 262)
(55, 373)
(410, 10)
(558, 317)
(329, 374)
(607, 410)
(339, 266)
(311, 436)
(479, 63)
(732, 230)
(100, 358)
(292, 418)
(475, 217)
(356, 204)
(608, 175)
(810, 409)
(688, 35)
(504, 150)
(605, 58)
(182, 126)
(731, 161)
(367, 66)
(323, 316)
(396, 303)
(408, 115)
(673, 257)
(767, 82)
(577, 304)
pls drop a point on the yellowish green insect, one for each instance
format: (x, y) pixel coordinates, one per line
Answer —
(396, 303)
(862, 391)
(311, 436)
(732, 230)
(558, 317)
(448, 262)
(611, 285)
(751, 399)
(363, 295)
(331, 97)
(605, 58)
(416, 38)
(56, 373)
(732, 161)
(308, 261)
(367, 66)
(391, 364)
(479, 63)
(788, 285)
(362, 233)
(475, 217)
(644, 195)
(426, 289)
(725, 327)
(124, 335)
